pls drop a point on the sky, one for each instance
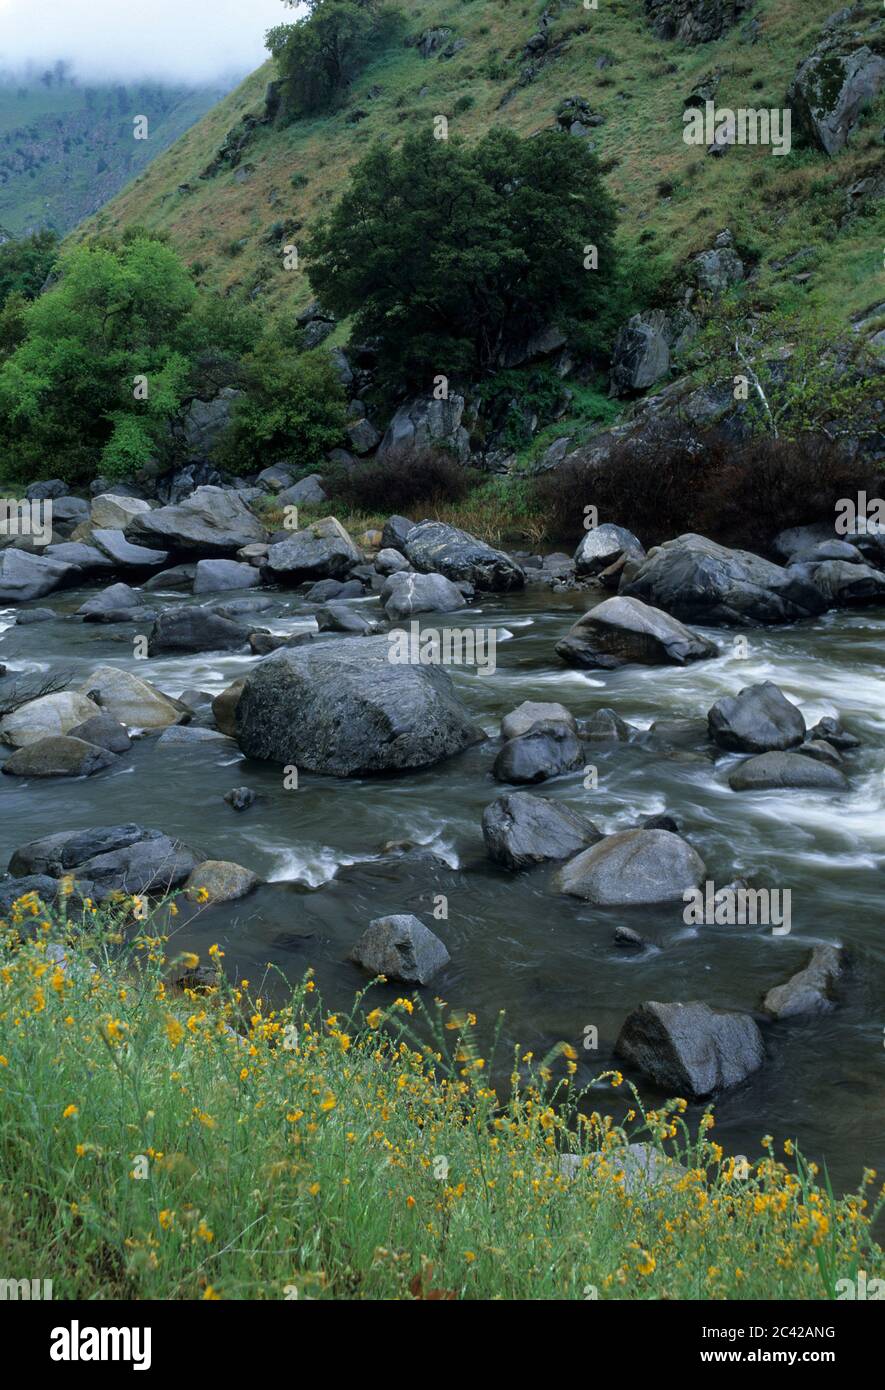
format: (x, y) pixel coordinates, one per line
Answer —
(182, 40)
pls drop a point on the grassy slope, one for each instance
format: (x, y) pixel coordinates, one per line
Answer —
(773, 205)
(52, 141)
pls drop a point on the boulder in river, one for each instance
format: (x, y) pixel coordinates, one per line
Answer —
(239, 798)
(401, 948)
(117, 858)
(405, 594)
(776, 771)
(758, 719)
(133, 701)
(621, 631)
(220, 880)
(691, 1050)
(215, 576)
(531, 712)
(548, 748)
(194, 629)
(603, 545)
(395, 533)
(435, 547)
(116, 603)
(58, 756)
(85, 560)
(224, 706)
(846, 584)
(105, 732)
(606, 726)
(699, 581)
(390, 561)
(811, 989)
(632, 867)
(521, 829)
(212, 521)
(322, 550)
(24, 576)
(337, 617)
(346, 709)
(46, 717)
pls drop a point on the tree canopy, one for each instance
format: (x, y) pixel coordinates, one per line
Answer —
(447, 253)
(321, 53)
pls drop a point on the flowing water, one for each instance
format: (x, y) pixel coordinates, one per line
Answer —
(549, 962)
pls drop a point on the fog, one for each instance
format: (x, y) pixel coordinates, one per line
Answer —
(192, 41)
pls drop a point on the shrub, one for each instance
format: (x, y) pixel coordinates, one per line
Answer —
(447, 253)
(293, 408)
(319, 55)
(671, 480)
(404, 481)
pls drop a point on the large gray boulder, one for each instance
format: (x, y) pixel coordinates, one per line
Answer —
(58, 756)
(435, 547)
(632, 867)
(216, 576)
(117, 603)
(777, 771)
(117, 858)
(24, 576)
(811, 989)
(109, 511)
(194, 629)
(699, 581)
(124, 553)
(831, 89)
(845, 583)
(213, 521)
(346, 709)
(640, 355)
(46, 717)
(322, 550)
(758, 719)
(521, 829)
(204, 422)
(424, 423)
(405, 594)
(691, 1050)
(546, 750)
(401, 948)
(104, 731)
(395, 533)
(621, 631)
(85, 559)
(307, 491)
(222, 880)
(132, 701)
(603, 545)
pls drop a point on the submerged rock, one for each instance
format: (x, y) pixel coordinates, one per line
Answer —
(401, 948)
(690, 1049)
(194, 629)
(58, 756)
(811, 989)
(631, 867)
(220, 881)
(521, 829)
(775, 771)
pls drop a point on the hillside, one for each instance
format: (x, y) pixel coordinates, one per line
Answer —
(229, 213)
(66, 147)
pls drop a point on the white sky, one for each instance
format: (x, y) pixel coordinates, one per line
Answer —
(184, 40)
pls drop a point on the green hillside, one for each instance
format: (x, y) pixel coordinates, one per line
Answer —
(229, 215)
(66, 147)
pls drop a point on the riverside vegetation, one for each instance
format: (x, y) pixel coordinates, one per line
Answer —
(189, 1141)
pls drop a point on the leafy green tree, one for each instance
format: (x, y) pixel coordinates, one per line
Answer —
(293, 408)
(320, 54)
(447, 253)
(68, 391)
(25, 264)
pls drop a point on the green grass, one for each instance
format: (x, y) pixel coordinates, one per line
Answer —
(156, 1144)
